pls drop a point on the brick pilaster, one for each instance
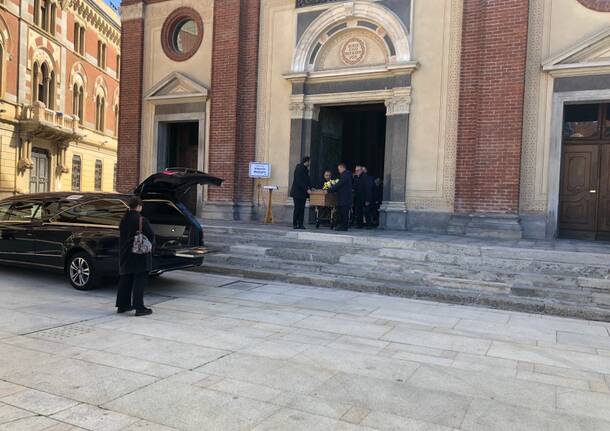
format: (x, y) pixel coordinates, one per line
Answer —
(494, 46)
(132, 52)
(233, 105)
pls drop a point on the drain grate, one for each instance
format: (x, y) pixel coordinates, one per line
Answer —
(63, 332)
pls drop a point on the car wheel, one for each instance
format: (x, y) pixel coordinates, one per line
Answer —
(81, 272)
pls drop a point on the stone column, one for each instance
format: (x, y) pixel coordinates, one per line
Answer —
(62, 154)
(25, 156)
(394, 209)
(303, 128)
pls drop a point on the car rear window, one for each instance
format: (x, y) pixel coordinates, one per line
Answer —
(103, 212)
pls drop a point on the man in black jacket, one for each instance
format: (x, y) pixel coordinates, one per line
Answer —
(344, 196)
(301, 187)
(133, 268)
(367, 187)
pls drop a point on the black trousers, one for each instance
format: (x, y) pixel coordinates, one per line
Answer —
(358, 215)
(343, 212)
(298, 216)
(131, 291)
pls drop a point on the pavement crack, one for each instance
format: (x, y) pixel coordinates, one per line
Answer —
(212, 361)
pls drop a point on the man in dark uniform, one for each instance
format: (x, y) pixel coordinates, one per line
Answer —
(301, 187)
(377, 200)
(358, 198)
(344, 196)
(367, 186)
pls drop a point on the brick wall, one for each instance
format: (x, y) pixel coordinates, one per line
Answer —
(233, 105)
(132, 50)
(494, 44)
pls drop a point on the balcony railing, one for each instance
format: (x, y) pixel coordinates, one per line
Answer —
(48, 118)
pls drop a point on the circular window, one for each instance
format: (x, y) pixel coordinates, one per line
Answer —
(598, 5)
(182, 34)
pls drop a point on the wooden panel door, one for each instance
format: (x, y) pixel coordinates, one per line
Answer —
(578, 199)
(603, 212)
(39, 175)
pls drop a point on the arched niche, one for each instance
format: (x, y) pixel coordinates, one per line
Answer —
(379, 25)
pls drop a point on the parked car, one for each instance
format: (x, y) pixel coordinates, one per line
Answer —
(77, 233)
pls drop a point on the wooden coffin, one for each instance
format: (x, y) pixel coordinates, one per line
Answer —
(318, 198)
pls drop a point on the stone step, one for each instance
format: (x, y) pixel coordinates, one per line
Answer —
(459, 253)
(562, 278)
(421, 274)
(394, 259)
(518, 301)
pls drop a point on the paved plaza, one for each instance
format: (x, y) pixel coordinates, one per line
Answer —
(222, 353)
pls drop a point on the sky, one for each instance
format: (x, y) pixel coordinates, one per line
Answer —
(115, 3)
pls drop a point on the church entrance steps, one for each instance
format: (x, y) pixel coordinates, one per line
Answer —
(557, 277)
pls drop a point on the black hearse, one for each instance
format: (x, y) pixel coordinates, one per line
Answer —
(77, 233)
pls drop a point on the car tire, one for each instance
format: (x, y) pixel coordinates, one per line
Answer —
(81, 272)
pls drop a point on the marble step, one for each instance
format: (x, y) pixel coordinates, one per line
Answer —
(389, 259)
(416, 274)
(534, 301)
(451, 252)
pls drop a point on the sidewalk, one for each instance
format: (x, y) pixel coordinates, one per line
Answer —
(230, 354)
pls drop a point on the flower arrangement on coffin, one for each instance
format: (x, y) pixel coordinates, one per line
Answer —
(329, 184)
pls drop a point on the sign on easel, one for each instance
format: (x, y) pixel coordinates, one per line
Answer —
(260, 170)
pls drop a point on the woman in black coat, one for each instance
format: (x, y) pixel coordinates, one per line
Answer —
(133, 268)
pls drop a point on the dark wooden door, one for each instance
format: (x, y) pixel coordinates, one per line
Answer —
(578, 199)
(603, 212)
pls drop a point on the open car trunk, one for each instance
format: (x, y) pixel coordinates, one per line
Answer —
(177, 231)
(173, 183)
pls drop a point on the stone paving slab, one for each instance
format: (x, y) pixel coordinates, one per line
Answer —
(267, 356)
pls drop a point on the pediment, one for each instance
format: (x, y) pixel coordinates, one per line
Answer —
(589, 53)
(177, 86)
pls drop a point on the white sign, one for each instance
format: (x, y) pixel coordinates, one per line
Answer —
(260, 170)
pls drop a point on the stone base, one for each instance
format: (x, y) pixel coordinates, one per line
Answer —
(228, 211)
(497, 226)
(534, 226)
(428, 221)
(393, 216)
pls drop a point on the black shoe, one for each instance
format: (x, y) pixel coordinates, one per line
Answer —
(301, 227)
(143, 312)
(341, 229)
(123, 310)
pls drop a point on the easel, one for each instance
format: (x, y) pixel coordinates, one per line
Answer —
(269, 214)
(259, 171)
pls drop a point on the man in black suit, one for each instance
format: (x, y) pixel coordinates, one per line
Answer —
(358, 198)
(344, 196)
(301, 187)
(367, 186)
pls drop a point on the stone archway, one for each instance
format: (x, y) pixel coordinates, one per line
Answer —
(356, 53)
(359, 13)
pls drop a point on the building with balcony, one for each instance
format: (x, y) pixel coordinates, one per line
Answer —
(59, 95)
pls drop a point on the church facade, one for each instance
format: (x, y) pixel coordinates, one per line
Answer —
(481, 118)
